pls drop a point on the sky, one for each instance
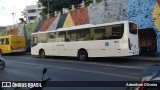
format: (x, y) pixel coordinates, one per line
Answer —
(7, 7)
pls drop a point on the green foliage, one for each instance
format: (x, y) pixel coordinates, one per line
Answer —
(88, 2)
(23, 14)
(57, 5)
(30, 28)
(3, 33)
(22, 20)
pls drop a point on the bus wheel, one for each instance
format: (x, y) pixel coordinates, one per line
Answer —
(82, 55)
(2, 64)
(42, 54)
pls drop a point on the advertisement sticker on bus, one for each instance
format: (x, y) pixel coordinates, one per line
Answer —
(107, 44)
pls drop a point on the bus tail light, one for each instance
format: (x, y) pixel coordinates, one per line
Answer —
(129, 43)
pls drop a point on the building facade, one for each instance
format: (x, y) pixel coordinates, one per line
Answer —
(145, 13)
(33, 13)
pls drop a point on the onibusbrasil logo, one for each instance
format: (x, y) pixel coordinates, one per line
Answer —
(21, 84)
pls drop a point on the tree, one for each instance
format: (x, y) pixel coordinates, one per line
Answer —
(88, 2)
(23, 14)
(22, 21)
(57, 5)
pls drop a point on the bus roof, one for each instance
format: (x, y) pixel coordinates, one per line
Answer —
(11, 36)
(84, 26)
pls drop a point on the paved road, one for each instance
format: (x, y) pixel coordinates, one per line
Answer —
(29, 68)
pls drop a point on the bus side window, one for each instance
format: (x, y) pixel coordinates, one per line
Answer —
(61, 36)
(34, 40)
(6, 41)
(72, 35)
(117, 31)
(98, 33)
(42, 38)
(83, 34)
(67, 39)
(0, 41)
(51, 37)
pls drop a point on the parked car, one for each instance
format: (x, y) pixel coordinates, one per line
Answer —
(150, 78)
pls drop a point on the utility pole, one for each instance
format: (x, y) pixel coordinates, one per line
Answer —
(13, 18)
(48, 16)
(48, 9)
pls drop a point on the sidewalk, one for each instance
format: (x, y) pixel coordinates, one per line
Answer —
(144, 58)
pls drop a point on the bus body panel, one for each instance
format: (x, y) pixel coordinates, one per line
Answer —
(10, 44)
(18, 43)
(71, 48)
(134, 45)
(94, 48)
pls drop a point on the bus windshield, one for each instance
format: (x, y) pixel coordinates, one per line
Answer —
(132, 28)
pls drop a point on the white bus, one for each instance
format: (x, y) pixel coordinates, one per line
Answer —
(102, 40)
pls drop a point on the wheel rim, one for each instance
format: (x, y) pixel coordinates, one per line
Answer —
(42, 54)
(82, 55)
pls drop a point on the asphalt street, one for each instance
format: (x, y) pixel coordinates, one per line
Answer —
(29, 68)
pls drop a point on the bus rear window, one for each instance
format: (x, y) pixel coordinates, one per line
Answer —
(132, 28)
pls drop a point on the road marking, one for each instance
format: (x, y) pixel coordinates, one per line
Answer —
(89, 63)
(76, 69)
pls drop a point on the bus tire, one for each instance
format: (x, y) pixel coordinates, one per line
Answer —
(83, 55)
(42, 53)
(2, 64)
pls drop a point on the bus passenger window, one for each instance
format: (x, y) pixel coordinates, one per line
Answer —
(117, 31)
(98, 33)
(6, 41)
(2, 41)
(90, 36)
(82, 34)
(72, 35)
(42, 38)
(61, 36)
(35, 40)
(105, 36)
(51, 37)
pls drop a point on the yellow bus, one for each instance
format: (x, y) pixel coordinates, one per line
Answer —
(11, 44)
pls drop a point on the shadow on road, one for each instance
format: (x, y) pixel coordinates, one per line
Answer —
(101, 60)
(15, 54)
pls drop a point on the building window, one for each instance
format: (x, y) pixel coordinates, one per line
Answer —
(32, 18)
(32, 11)
(39, 5)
